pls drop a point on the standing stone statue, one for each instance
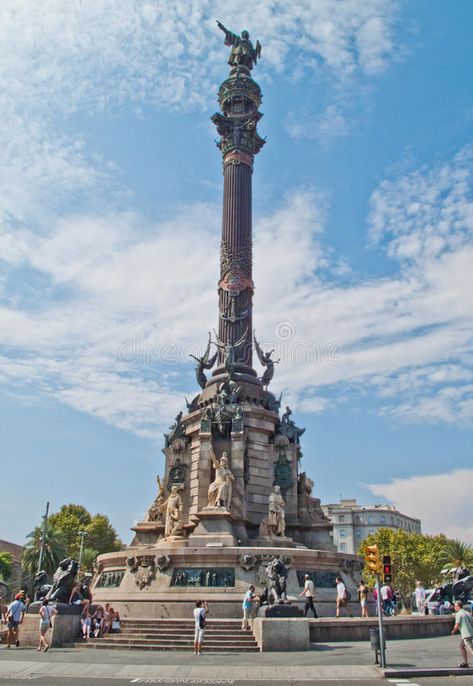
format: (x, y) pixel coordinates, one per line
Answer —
(276, 523)
(220, 490)
(243, 52)
(174, 521)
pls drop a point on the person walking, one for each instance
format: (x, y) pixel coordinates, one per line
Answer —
(342, 597)
(420, 598)
(386, 599)
(363, 598)
(309, 594)
(45, 614)
(248, 606)
(15, 614)
(199, 618)
(464, 624)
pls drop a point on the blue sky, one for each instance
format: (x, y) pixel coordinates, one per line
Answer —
(110, 208)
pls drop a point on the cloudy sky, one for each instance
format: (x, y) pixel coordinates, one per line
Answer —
(110, 202)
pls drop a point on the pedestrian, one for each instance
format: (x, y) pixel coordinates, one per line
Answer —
(248, 607)
(199, 618)
(15, 614)
(86, 624)
(464, 624)
(363, 597)
(45, 614)
(309, 593)
(342, 597)
(420, 598)
(386, 599)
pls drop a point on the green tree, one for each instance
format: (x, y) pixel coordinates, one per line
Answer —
(6, 566)
(413, 556)
(55, 550)
(101, 536)
(457, 554)
(99, 533)
(70, 520)
(89, 555)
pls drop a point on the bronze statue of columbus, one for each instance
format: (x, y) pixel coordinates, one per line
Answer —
(243, 52)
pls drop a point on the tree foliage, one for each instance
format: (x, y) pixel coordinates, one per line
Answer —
(55, 550)
(89, 555)
(457, 554)
(6, 566)
(100, 535)
(413, 556)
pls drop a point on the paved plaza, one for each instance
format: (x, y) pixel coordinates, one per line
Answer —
(345, 662)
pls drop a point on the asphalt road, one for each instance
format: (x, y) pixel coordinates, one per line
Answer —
(88, 681)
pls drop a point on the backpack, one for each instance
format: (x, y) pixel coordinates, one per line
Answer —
(347, 595)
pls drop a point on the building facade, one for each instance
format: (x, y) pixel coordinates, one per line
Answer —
(352, 523)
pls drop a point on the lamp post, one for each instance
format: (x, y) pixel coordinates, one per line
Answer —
(43, 537)
(81, 550)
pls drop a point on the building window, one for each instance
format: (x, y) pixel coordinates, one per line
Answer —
(370, 519)
(341, 518)
(343, 546)
(392, 519)
(358, 533)
(342, 533)
(382, 519)
(371, 532)
(358, 519)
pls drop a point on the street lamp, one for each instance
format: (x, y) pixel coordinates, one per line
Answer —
(81, 550)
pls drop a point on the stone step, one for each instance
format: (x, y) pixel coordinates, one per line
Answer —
(177, 632)
(208, 646)
(243, 640)
(169, 639)
(179, 623)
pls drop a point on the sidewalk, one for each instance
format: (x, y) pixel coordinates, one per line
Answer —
(332, 660)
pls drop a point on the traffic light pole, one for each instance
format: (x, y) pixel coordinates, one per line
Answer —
(382, 651)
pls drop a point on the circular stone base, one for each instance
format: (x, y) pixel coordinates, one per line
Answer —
(221, 575)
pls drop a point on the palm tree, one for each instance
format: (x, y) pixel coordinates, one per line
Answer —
(89, 555)
(457, 554)
(55, 550)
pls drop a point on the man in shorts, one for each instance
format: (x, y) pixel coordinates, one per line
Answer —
(342, 597)
(464, 624)
(199, 617)
(15, 613)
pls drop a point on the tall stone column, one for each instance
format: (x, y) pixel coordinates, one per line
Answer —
(239, 97)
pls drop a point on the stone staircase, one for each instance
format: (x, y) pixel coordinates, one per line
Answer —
(221, 636)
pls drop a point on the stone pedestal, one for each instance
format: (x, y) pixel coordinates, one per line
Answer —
(281, 635)
(214, 528)
(279, 611)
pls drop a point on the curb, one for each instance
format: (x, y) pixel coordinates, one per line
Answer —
(438, 671)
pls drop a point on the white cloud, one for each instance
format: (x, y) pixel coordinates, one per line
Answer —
(441, 501)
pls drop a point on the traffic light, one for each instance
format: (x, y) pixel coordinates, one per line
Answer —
(372, 561)
(387, 569)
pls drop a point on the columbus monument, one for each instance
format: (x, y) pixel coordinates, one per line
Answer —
(233, 501)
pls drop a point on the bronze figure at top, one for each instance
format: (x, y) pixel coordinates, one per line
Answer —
(243, 53)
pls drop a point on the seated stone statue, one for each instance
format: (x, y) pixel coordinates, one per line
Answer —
(174, 521)
(63, 581)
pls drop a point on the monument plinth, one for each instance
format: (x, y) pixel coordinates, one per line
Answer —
(232, 500)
